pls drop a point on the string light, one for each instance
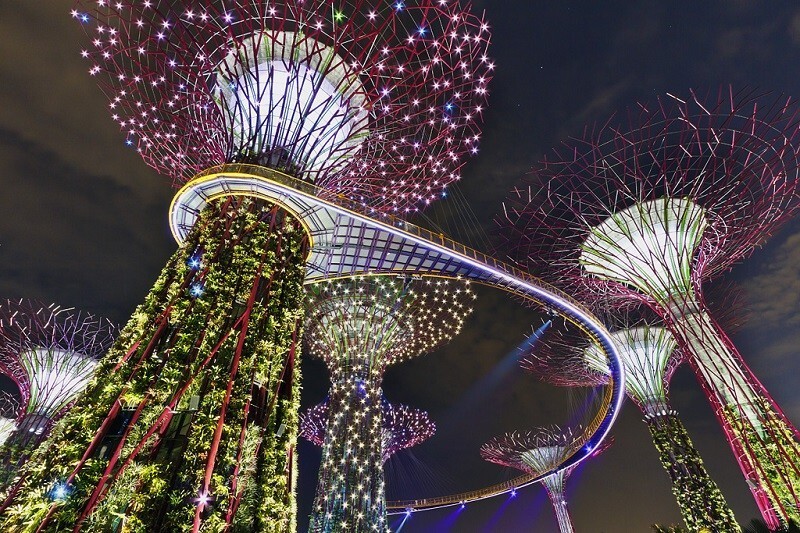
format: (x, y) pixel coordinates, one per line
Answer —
(360, 326)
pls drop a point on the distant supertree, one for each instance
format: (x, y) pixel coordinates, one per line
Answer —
(401, 427)
(650, 211)
(9, 413)
(649, 355)
(50, 353)
(375, 101)
(360, 326)
(536, 453)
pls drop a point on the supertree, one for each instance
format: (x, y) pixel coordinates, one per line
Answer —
(360, 326)
(651, 210)
(649, 354)
(373, 101)
(402, 427)
(539, 452)
(49, 352)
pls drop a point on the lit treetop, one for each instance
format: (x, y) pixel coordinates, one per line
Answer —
(50, 352)
(648, 212)
(402, 426)
(375, 100)
(539, 452)
(648, 352)
(362, 325)
(678, 195)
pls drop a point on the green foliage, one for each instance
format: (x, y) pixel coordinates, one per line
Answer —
(669, 529)
(179, 351)
(776, 451)
(701, 503)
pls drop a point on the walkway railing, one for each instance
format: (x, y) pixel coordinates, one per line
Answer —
(362, 209)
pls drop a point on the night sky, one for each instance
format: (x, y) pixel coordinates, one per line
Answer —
(83, 222)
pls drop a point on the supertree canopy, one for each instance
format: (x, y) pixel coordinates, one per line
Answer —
(402, 427)
(539, 453)
(374, 101)
(651, 210)
(649, 354)
(50, 353)
(360, 326)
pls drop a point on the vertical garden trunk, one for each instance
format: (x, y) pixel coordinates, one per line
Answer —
(350, 492)
(191, 419)
(764, 442)
(701, 503)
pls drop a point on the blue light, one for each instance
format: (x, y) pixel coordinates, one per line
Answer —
(60, 492)
(196, 290)
(84, 17)
(128, 142)
(513, 493)
(399, 6)
(422, 31)
(194, 262)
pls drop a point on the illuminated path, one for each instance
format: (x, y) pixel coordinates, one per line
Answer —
(346, 243)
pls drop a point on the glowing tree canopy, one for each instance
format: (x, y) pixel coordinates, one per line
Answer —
(649, 355)
(359, 326)
(648, 212)
(538, 453)
(50, 353)
(401, 427)
(362, 325)
(9, 412)
(374, 101)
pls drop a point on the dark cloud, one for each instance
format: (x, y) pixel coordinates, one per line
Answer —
(56, 234)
